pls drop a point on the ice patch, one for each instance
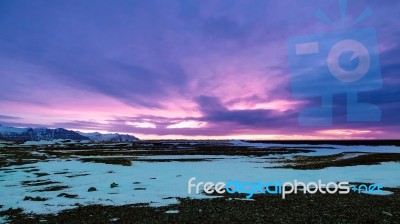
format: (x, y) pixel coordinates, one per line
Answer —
(159, 183)
(172, 212)
(322, 149)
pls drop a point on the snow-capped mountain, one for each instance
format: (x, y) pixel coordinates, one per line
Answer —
(38, 134)
(97, 137)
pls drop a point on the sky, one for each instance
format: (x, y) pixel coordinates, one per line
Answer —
(182, 69)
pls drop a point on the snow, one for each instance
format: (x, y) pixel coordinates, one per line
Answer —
(322, 149)
(5, 130)
(172, 212)
(61, 142)
(42, 142)
(3, 219)
(43, 133)
(160, 183)
(98, 137)
(149, 182)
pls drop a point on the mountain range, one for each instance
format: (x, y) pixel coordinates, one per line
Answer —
(37, 134)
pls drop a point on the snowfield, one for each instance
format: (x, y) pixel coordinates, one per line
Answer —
(160, 183)
(324, 149)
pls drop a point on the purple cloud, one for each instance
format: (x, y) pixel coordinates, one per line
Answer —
(187, 68)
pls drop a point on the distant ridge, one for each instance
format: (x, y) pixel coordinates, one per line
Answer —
(37, 134)
(97, 137)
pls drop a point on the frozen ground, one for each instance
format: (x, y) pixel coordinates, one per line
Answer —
(325, 149)
(160, 183)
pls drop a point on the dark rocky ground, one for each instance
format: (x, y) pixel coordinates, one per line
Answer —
(317, 208)
(17, 155)
(338, 160)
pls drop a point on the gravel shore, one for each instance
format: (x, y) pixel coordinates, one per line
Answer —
(317, 208)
